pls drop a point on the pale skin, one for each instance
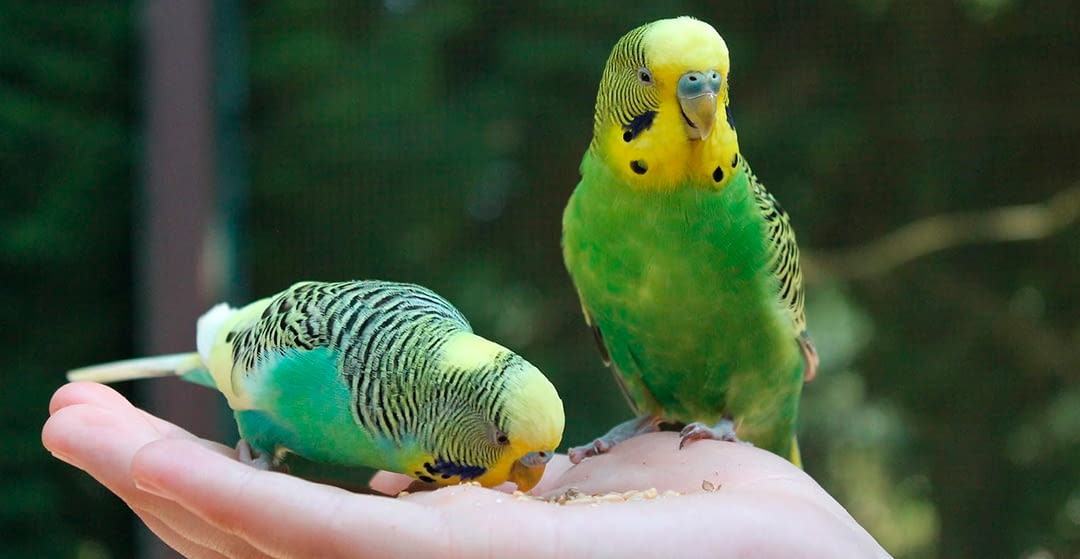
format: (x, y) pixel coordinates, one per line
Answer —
(197, 497)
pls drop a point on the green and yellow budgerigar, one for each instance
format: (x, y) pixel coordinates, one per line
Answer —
(686, 267)
(369, 373)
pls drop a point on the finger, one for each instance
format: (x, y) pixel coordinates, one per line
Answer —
(85, 393)
(96, 439)
(103, 396)
(102, 441)
(172, 431)
(101, 437)
(389, 483)
(174, 540)
(201, 546)
(282, 515)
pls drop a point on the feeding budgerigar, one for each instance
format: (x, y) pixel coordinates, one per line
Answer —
(369, 373)
(686, 267)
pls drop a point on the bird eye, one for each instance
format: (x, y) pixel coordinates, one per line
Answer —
(498, 436)
(644, 76)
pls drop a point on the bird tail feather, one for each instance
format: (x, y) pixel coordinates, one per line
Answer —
(177, 364)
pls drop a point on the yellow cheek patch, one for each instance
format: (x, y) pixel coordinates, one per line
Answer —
(663, 159)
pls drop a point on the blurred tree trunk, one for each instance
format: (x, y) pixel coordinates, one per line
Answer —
(187, 254)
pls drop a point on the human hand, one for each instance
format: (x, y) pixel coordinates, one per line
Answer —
(200, 500)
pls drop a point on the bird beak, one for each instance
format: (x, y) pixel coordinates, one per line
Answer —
(699, 112)
(527, 470)
(697, 93)
(526, 477)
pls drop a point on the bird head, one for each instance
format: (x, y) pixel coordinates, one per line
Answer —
(534, 425)
(662, 115)
(506, 422)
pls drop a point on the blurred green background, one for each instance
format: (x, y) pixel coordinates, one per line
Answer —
(437, 142)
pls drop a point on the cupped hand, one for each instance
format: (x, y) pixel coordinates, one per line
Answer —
(734, 500)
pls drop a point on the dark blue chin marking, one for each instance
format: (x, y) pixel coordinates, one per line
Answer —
(446, 470)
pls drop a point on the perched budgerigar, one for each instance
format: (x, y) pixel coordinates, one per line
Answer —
(686, 267)
(369, 373)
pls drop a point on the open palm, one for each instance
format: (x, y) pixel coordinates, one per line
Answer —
(734, 500)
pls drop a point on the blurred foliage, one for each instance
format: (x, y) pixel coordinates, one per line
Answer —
(66, 149)
(437, 142)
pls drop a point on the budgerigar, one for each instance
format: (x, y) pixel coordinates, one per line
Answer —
(686, 267)
(369, 373)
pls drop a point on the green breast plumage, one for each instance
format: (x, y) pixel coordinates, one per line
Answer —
(687, 289)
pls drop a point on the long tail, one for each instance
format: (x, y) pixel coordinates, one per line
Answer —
(187, 365)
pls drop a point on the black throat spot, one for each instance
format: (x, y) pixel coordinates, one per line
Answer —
(446, 469)
(639, 124)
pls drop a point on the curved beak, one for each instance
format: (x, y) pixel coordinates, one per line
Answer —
(697, 93)
(527, 470)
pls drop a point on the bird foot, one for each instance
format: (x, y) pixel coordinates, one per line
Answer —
(247, 455)
(810, 357)
(617, 434)
(724, 430)
(596, 448)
